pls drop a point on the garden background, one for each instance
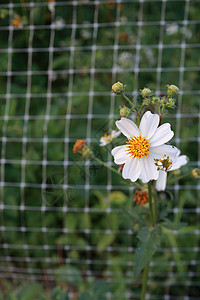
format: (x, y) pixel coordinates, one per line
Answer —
(64, 223)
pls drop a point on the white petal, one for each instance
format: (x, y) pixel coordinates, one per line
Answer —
(127, 127)
(181, 161)
(162, 135)
(168, 150)
(115, 134)
(148, 170)
(131, 169)
(120, 156)
(149, 124)
(161, 181)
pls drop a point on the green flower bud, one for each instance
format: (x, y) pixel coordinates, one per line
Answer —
(196, 173)
(118, 88)
(146, 92)
(171, 102)
(155, 100)
(124, 111)
(172, 90)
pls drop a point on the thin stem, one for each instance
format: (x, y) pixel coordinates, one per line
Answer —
(116, 172)
(155, 207)
(144, 282)
(151, 204)
(179, 177)
(131, 103)
(107, 166)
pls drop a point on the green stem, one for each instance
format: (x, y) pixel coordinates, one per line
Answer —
(179, 177)
(152, 213)
(155, 207)
(144, 282)
(151, 204)
(115, 171)
(107, 166)
(131, 103)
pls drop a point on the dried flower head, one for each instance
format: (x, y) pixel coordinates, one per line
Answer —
(17, 21)
(78, 146)
(140, 197)
(81, 148)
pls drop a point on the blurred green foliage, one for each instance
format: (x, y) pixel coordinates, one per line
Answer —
(100, 237)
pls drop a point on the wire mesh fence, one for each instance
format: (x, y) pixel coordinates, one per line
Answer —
(61, 217)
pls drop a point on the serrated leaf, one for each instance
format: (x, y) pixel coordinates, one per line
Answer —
(134, 214)
(149, 243)
(173, 226)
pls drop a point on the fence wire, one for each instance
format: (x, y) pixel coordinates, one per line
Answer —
(58, 63)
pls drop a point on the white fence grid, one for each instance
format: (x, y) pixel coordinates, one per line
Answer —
(58, 63)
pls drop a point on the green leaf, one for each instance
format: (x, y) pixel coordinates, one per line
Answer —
(100, 288)
(172, 225)
(149, 243)
(85, 296)
(58, 294)
(30, 291)
(134, 214)
(68, 274)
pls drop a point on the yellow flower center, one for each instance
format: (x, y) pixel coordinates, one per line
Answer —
(138, 146)
(107, 137)
(163, 163)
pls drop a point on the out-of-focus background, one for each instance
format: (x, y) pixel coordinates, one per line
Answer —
(63, 226)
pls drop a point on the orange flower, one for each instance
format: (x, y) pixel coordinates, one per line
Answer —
(16, 22)
(140, 197)
(78, 146)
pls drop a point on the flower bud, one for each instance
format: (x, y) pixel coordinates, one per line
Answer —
(124, 111)
(146, 92)
(155, 100)
(118, 88)
(172, 90)
(196, 173)
(170, 102)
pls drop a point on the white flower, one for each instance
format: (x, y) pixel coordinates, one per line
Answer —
(162, 178)
(144, 144)
(107, 138)
(59, 23)
(51, 6)
(172, 28)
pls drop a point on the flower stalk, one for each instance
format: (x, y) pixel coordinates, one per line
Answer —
(144, 282)
(151, 204)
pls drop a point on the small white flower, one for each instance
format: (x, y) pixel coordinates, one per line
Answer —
(172, 29)
(162, 178)
(59, 23)
(144, 144)
(125, 60)
(107, 138)
(51, 6)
